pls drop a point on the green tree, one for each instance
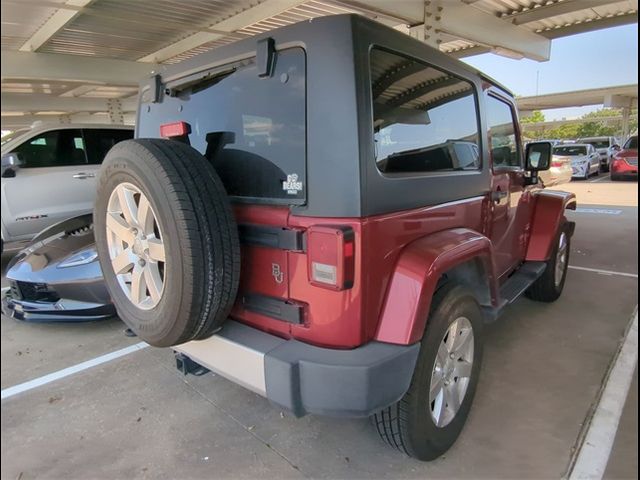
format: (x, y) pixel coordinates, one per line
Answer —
(536, 117)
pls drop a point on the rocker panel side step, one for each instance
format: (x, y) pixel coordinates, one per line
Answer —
(515, 286)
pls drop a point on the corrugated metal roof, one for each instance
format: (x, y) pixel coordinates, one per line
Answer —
(21, 19)
(305, 11)
(136, 29)
(129, 30)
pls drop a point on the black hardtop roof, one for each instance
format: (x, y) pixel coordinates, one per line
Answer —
(300, 33)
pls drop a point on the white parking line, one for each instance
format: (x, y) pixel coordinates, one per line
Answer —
(604, 211)
(599, 179)
(65, 372)
(595, 450)
(604, 272)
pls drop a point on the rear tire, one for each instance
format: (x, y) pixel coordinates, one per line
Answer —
(410, 425)
(549, 286)
(198, 272)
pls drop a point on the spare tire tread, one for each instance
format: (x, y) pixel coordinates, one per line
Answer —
(222, 217)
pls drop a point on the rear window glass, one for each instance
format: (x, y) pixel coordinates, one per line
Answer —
(570, 151)
(632, 144)
(424, 119)
(251, 128)
(100, 141)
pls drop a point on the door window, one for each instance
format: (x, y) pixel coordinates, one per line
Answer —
(56, 148)
(505, 151)
(100, 140)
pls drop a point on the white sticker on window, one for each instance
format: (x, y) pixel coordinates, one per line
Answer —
(292, 186)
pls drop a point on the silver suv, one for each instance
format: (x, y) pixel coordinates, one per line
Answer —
(48, 174)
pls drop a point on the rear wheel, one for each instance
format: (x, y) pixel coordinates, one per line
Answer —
(167, 241)
(549, 286)
(426, 422)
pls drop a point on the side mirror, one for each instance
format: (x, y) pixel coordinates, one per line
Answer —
(538, 156)
(617, 147)
(10, 163)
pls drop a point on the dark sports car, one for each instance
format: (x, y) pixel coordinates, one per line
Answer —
(57, 278)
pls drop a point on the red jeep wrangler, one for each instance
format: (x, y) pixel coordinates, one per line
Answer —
(328, 214)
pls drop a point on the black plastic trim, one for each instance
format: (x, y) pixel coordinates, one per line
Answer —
(272, 237)
(274, 307)
(189, 367)
(341, 383)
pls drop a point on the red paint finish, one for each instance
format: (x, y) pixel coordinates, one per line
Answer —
(397, 261)
(257, 271)
(510, 219)
(348, 318)
(416, 275)
(620, 165)
(549, 207)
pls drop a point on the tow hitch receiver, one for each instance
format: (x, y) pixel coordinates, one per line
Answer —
(188, 366)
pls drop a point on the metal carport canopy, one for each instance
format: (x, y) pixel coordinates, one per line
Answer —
(66, 60)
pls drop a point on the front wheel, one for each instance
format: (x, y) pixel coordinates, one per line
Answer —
(426, 422)
(549, 286)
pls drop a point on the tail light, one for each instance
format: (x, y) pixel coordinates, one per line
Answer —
(331, 256)
(175, 129)
(556, 163)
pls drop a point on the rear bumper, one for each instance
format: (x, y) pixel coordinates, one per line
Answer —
(307, 379)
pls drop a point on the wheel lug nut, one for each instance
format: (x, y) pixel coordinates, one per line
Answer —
(134, 231)
(452, 356)
(141, 262)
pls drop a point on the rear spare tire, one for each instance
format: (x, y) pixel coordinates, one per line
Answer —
(167, 240)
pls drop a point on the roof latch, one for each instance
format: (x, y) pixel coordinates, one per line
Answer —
(266, 56)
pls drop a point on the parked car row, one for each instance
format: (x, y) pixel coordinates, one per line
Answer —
(584, 157)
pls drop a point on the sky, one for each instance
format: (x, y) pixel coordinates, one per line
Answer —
(603, 58)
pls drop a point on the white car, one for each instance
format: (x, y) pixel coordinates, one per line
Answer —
(585, 160)
(606, 147)
(48, 175)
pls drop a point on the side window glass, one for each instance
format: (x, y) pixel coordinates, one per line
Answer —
(503, 144)
(40, 151)
(57, 148)
(424, 119)
(100, 141)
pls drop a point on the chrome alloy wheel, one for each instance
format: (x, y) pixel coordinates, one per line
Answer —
(136, 248)
(451, 372)
(561, 259)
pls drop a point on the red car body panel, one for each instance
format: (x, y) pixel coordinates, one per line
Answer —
(621, 162)
(416, 276)
(341, 319)
(549, 207)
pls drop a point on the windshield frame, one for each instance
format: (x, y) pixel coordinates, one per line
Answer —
(13, 135)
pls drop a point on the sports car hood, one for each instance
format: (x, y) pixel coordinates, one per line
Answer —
(51, 246)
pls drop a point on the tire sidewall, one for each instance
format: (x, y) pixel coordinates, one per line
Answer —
(554, 258)
(427, 440)
(123, 166)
